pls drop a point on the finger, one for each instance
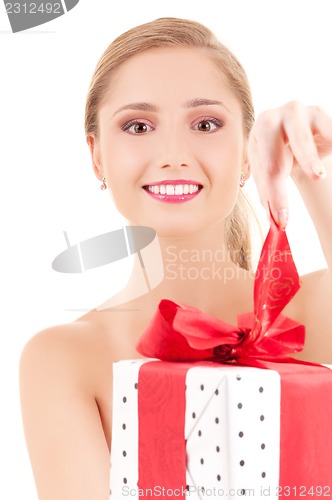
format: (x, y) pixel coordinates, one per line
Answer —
(272, 190)
(321, 122)
(270, 144)
(321, 125)
(301, 141)
(275, 166)
(278, 200)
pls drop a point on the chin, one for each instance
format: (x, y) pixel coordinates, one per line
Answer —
(170, 228)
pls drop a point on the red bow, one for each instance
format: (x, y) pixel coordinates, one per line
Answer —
(185, 333)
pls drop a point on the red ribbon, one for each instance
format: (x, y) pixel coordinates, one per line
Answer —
(185, 333)
(161, 409)
(264, 339)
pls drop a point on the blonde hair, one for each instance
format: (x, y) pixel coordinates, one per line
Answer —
(173, 32)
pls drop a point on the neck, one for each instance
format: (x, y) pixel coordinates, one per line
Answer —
(196, 266)
(197, 269)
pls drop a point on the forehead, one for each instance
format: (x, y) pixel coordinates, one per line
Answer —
(168, 75)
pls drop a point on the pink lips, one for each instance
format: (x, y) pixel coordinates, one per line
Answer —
(173, 198)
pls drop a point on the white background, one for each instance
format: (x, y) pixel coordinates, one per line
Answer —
(47, 184)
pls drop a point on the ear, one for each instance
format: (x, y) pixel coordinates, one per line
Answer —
(246, 165)
(95, 156)
(246, 168)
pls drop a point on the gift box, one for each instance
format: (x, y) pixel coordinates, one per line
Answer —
(230, 442)
(222, 410)
(231, 427)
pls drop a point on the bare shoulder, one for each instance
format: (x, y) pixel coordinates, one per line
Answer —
(59, 372)
(68, 354)
(70, 349)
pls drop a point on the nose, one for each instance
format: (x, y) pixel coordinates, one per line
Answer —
(173, 149)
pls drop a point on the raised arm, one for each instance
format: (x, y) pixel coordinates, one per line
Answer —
(296, 141)
(318, 200)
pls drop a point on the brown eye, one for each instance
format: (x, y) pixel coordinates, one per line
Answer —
(208, 125)
(204, 126)
(136, 127)
(140, 128)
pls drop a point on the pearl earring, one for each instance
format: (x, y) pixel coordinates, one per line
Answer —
(103, 185)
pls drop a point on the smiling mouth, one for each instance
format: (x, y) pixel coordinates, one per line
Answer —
(173, 189)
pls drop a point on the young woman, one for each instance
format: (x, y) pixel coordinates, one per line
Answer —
(169, 122)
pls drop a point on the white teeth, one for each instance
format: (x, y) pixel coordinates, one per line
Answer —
(171, 189)
(154, 189)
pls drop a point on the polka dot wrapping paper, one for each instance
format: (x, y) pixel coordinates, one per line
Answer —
(231, 431)
(231, 428)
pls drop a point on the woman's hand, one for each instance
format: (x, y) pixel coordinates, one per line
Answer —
(296, 140)
(290, 140)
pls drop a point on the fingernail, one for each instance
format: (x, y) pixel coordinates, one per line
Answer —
(283, 218)
(319, 169)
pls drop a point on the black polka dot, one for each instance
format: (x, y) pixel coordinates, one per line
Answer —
(218, 477)
(239, 406)
(124, 399)
(124, 427)
(202, 387)
(217, 420)
(125, 480)
(136, 385)
(263, 474)
(241, 434)
(263, 446)
(199, 433)
(261, 389)
(216, 392)
(124, 453)
(238, 377)
(261, 418)
(217, 449)
(242, 463)
(202, 461)
(194, 415)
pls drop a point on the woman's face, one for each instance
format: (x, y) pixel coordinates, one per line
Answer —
(169, 117)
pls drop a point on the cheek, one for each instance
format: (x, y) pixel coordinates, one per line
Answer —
(120, 164)
(224, 164)
(224, 159)
(124, 173)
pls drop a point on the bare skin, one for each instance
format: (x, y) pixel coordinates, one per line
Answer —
(66, 371)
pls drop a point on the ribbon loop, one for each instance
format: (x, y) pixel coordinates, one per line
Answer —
(179, 332)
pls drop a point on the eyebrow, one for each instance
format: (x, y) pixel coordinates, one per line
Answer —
(138, 106)
(152, 108)
(202, 101)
